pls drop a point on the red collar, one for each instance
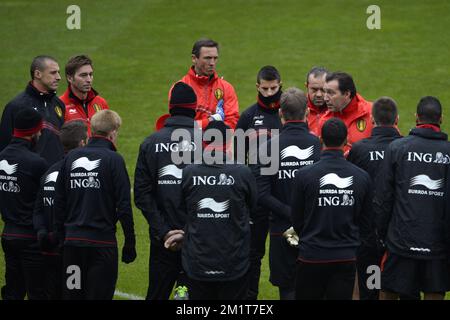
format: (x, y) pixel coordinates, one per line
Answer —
(90, 96)
(433, 127)
(333, 148)
(315, 109)
(201, 79)
(294, 121)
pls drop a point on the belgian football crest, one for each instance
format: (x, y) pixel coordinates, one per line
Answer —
(96, 107)
(361, 125)
(58, 111)
(218, 93)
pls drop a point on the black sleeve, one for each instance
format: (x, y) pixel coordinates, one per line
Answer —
(59, 204)
(122, 187)
(244, 121)
(298, 206)
(383, 200)
(6, 126)
(38, 212)
(252, 191)
(365, 217)
(145, 195)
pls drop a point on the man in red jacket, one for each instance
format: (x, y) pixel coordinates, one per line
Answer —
(344, 103)
(81, 100)
(315, 81)
(216, 97)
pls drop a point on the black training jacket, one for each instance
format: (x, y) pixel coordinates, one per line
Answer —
(52, 110)
(262, 120)
(218, 199)
(44, 218)
(20, 172)
(297, 148)
(92, 194)
(368, 154)
(329, 203)
(157, 180)
(409, 202)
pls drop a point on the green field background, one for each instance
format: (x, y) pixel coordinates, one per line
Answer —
(141, 47)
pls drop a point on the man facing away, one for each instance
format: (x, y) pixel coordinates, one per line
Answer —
(330, 207)
(92, 194)
(410, 209)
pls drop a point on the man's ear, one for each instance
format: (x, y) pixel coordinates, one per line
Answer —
(194, 58)
(396, 120)
(37, 74)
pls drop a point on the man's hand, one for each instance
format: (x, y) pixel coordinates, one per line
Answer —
(291, 237)
(173, 240)
(128, 254)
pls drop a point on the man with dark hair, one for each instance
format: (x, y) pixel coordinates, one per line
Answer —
(73, 135)
(216, 97)
(40, 94)
(157, 189)
(330, 202)
(345, 103)
(410, 209)
(298, 148)
(92, 193)
(218, 196)
(315, 81)
(261, 117)
(20, 172)
(368, 154)
(81, 100)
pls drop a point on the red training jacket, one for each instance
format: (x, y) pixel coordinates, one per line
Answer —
(209, 91)
(356, 116)
(75, 108)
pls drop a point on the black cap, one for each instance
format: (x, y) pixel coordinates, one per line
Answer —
(27, 122)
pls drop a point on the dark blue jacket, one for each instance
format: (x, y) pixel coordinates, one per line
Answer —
(368, 154)
(157, 180)
(409, 202)
(217, 199)
(52, 110)
(20, 173)
(298, 148)
(330, 204)
(92, 194)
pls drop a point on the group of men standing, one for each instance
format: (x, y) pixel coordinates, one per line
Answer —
(345, 195)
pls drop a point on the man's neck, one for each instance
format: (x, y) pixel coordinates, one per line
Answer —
(80, 95)
(39, 86)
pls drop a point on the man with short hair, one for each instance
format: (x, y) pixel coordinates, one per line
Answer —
(345, 103)
(368, 154)
(261, 117)
(20, 172)
(73, 135)
(216, 97)
(297, 148)
(81, 100)
(157, 189)
(330, 204)
(410, 208)
(40, 94)
(315, 81)
(92, 194)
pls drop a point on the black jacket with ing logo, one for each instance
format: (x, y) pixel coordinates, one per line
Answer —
(218, 199)
(409, 202)
(330, 208)
(92, 194)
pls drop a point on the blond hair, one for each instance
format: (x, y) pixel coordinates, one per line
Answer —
(104, 122)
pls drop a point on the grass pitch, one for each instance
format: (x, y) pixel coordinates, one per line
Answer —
(141, 47)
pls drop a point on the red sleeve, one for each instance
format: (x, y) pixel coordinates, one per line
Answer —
(231, 106)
